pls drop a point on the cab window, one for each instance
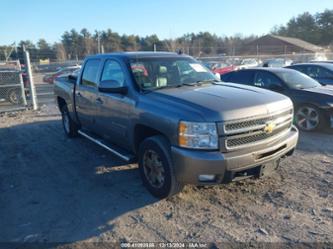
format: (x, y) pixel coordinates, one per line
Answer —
(90, 71)
(113, 71)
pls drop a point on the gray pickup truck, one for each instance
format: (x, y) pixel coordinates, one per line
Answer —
(170, 114)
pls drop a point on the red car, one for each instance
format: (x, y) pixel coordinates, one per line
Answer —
(224, 69)
(49, 78)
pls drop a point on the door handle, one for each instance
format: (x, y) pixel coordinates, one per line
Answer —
(99, 101)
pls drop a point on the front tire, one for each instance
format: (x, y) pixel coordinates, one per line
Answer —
(156, 167)
(308, 118)
(69, 126)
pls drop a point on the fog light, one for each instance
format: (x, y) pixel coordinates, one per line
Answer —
(206, 178)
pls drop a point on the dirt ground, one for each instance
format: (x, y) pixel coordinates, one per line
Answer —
(54, 189)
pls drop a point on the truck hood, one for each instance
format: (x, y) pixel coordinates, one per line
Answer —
(227, 101)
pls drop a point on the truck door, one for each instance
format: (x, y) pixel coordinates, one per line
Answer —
(86, 94)
(112, 120)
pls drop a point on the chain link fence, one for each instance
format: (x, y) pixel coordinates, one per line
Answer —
(12, 91)
(278, 60)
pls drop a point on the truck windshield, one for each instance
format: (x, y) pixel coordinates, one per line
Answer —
(155, 73)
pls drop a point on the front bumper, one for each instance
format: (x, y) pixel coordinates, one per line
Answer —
(190, 164)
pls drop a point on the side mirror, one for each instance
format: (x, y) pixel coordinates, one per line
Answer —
(72, 78)
(112, 86)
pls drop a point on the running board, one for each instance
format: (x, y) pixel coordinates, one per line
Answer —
(116, 152)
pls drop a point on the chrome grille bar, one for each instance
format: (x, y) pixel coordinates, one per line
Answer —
(244, 133)
(247, 125)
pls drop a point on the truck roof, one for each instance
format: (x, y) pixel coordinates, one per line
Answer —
(131, 55)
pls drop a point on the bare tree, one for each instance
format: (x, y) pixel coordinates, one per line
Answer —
(60, 51)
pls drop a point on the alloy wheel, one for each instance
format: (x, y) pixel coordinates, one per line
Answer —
(307, 118)
(13, 97)
(153, 169)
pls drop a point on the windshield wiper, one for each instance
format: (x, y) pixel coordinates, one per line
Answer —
(200, 82)
(162, 87)
(197, 83)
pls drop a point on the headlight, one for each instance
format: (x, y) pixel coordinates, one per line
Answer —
(198, 135)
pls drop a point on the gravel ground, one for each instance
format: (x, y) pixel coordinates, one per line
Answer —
(55, 189)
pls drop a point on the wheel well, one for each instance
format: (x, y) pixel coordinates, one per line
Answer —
(304, 104)
(141, 132)
(296, 106)
(61, 102)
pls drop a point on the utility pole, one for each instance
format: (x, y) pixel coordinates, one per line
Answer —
(258, 52)
(154, 47)
(33, 94)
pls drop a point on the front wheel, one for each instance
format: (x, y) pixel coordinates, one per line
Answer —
(156, 167)
(308, 118)
(69, 126)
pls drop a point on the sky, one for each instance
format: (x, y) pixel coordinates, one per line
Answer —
(34, 19)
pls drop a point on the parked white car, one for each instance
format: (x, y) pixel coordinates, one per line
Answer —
(248, 63)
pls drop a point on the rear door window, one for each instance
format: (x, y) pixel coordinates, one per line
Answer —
(318, 72)
(242, 77)
(90, 72)
(226, 77)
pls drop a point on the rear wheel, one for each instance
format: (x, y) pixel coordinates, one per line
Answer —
(156, 167)
(14, 97)
(69, 126)
(308, 118)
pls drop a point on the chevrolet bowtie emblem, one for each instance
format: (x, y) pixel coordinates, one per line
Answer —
(269, 127)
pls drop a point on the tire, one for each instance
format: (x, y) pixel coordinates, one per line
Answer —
(70, 128)
(308, 118)
(155, 159)
(13, 96)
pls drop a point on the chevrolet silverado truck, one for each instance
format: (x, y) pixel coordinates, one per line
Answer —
(170, 114)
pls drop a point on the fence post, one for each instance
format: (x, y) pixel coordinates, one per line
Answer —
(31, 81)
(22, 84)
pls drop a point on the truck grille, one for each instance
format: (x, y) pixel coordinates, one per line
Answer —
(245, 133)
